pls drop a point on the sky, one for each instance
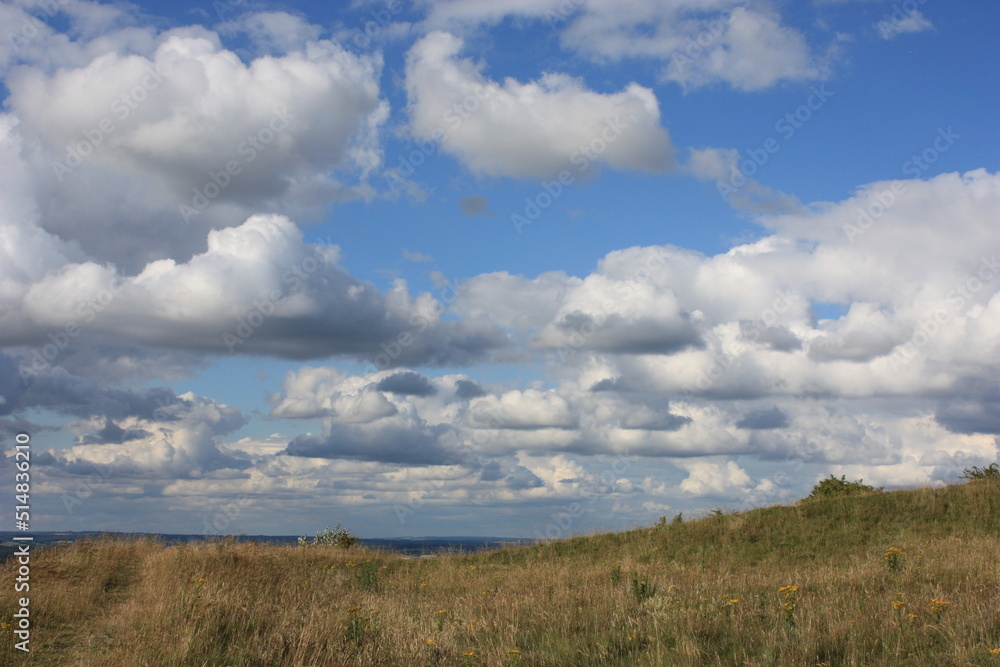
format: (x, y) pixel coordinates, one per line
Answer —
(504, 268)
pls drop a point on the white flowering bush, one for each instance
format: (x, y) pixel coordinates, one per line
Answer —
(331, 537)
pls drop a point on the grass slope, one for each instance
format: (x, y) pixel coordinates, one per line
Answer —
(809, 584)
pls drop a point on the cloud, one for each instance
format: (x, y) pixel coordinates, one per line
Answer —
(707, 478)
(763, 419)
(652, 420)
(84, 397)
(512, 477)
(746, 47)
(178, 438)
(33, 40)
(325, 392)
(467, 389)
(660, 377)
(723, 166)
(183, 136)
(398, 439)
(866, 332)
(535, 129)
(780, 338)
(617, 333)
(114, 434)
(414, 256)
(751, 50)
(530, 409)
(972, 407)
(407, 383)
(258, 289)
(741, 323)
(900, 22)
(515, 301)
(611, 313)
(274, 32)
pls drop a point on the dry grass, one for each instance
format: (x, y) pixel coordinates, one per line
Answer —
(705, 592)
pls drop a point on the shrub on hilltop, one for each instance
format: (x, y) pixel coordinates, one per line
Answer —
(840, 487)
(331, 537)
(991, 471)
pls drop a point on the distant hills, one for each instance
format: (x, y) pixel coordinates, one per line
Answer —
(411, 546)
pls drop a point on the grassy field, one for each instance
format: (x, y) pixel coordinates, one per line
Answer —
(900, 578)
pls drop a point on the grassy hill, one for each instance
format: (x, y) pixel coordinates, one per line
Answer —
(900, 578)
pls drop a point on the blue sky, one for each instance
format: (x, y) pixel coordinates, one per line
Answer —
(456, 267)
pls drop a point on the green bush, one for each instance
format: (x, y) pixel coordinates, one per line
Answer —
(975, 472)
(840, 487)
(642, 587)
(368, 576)
(331, 537)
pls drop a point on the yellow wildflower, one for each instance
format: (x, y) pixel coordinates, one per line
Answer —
(938, 605)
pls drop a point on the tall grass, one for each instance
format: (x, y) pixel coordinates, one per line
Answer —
(902, 578)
